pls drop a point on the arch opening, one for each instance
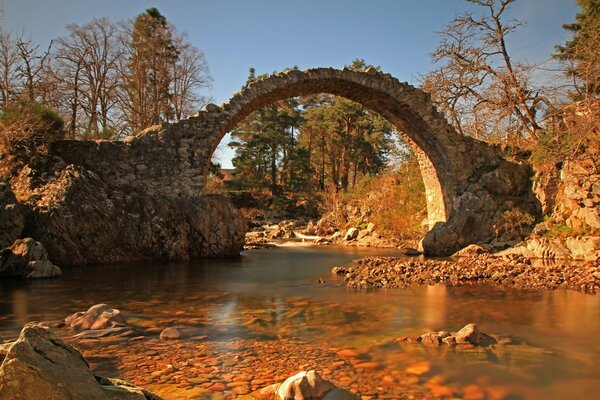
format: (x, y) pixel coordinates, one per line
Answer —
(402, 105)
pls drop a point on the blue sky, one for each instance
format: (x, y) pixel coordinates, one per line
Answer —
(273, 35)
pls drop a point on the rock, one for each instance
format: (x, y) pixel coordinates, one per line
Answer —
(304, 385)
(471, 250)
(363, 234)
(546, 248)
(27, 258)
(39, 366)
(468, 334)
(120, 331)
(282, 233)
(4, 347)
(584, 247)
(42, 269)
(370, 227)
(449, 341)
(336, 235)
(540, 228)
(171, 334)
(409, 251)
(339, 270)
(99, 316)
(352, 233)
(434, 337)
(430, 338)
(12, 218)
(322, 240)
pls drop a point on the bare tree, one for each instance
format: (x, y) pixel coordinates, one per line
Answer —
(189, 75)
(9, 59)
(87, 61)
(31, 68)
(480, 77)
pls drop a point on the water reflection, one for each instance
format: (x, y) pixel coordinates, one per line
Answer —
(270, 298)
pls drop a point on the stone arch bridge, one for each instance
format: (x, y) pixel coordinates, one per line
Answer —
(468, 182)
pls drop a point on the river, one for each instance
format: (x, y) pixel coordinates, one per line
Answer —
(260, 317)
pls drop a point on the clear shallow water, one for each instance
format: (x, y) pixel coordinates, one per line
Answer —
(273, 294)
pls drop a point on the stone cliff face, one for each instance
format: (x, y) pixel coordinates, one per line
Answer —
(570, 199)
(81, 219)
(481, 206)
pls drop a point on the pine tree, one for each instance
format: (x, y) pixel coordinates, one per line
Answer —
(582, 52)
(148, 71)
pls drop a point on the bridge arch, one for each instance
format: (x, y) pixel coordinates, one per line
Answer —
(439, 148)
(468, 183)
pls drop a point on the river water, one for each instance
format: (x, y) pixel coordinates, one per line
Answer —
(267, 306)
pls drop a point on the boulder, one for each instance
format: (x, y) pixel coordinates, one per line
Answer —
(351, 233)
(40, 366)
(305, 385)
(99, 316)
(468, 334)
(27, 258)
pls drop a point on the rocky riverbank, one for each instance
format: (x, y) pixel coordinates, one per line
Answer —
(510, 271)
(266, 234)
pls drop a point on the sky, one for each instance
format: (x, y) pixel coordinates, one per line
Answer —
(271, 35)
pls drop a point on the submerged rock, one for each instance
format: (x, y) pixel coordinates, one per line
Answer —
(39, 366)
(99, 321)
(171, 334)
(469, 334)
(27, 258)
(99, 316)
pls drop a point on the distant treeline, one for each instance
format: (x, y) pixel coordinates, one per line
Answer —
(106, 79)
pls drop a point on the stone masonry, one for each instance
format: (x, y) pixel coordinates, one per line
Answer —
(468, 182)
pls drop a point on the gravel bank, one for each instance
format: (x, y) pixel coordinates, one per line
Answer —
(517, 272)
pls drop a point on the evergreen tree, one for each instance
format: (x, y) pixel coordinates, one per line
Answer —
(152, 50)
(581, 52)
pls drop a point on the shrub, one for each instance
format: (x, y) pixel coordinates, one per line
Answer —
(27, 127)
(394, 201)
(514, 224)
